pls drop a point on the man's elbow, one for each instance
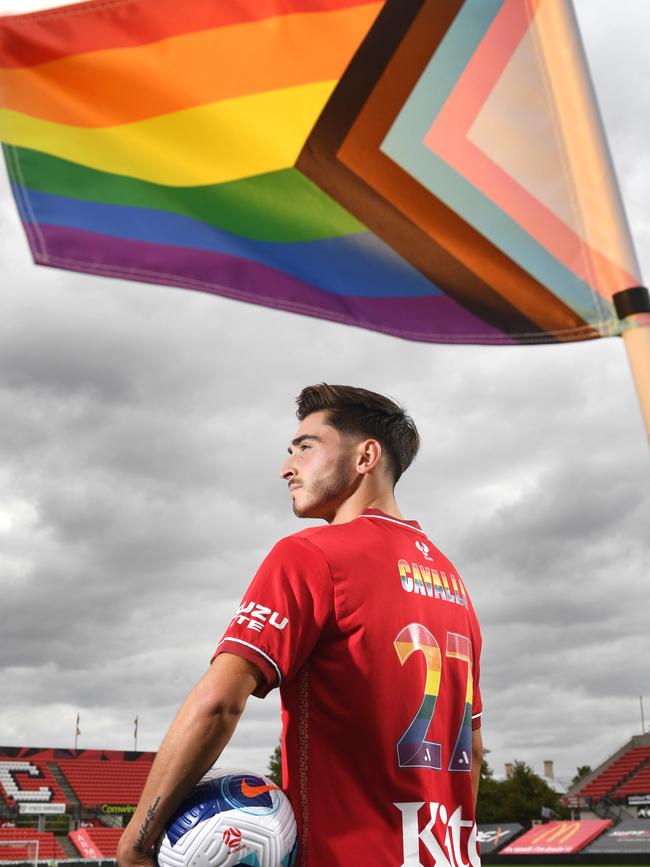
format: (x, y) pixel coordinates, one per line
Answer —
(224, 706)
(216, 704)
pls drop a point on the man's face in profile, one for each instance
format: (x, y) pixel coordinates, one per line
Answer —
(320, 468)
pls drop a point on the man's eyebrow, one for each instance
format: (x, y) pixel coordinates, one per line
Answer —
(301, 439)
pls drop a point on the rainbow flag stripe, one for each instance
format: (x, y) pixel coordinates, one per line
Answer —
(335, 158)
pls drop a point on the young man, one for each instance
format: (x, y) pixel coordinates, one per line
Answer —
(369, 633)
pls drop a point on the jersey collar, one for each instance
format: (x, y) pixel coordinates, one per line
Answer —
(401, 522)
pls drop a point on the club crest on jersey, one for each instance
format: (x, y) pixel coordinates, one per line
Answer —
(424, 549)
(257, 616)
(424, 581)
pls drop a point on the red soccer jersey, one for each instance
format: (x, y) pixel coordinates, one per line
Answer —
(370, 634)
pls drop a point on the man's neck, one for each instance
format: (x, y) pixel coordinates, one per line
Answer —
(358, 503)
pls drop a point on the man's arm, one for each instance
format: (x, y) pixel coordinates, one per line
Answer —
(202, 728)
(477, 761)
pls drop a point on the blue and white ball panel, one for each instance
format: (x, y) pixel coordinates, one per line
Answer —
(212, 797)
(231, 817)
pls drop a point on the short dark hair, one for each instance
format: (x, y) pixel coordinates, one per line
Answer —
(365, 413)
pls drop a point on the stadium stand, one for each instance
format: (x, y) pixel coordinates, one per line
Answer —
(48, 845)
(624, 774)
(88, 793)
(611, 778)
(638, 783)
(97, 781)
(30, 780)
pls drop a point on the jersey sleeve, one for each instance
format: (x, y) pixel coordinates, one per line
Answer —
(283, 612)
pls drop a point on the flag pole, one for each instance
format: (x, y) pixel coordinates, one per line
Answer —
(630, 302)
(135, 734)
(642, 717)
(77, 732)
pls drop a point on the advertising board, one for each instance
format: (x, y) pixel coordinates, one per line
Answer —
(557, 838)
(42, 809)
(631, 835)
(494, 837)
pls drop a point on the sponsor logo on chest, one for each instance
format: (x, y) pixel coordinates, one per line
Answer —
(448, 838)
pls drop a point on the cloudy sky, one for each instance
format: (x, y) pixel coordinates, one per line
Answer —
(140, 437)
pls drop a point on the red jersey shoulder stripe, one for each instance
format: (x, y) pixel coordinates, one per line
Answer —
(257, 650)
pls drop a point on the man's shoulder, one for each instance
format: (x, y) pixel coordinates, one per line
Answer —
(300, 552)
(310, 536)
(323, 538)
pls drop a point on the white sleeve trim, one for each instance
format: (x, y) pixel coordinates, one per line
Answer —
(261, 653)
(477, 715)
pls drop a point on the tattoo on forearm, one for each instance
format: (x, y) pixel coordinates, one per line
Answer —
(151, 815)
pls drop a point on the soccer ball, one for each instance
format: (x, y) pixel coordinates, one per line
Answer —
(231, 817)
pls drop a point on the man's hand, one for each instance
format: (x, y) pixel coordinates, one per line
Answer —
(136, 855)
(202, 728)
(129, 856)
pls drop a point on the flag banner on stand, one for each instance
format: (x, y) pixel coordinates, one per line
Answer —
(433, 169)
(86, 847)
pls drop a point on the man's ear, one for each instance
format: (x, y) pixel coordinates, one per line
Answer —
(368, 456)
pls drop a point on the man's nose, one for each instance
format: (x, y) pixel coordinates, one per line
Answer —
(287, 471)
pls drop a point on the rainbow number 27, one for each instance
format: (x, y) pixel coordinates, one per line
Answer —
(413, 750)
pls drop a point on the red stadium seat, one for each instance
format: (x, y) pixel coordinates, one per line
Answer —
(97, 782)
(612, 780)
(48, 846)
